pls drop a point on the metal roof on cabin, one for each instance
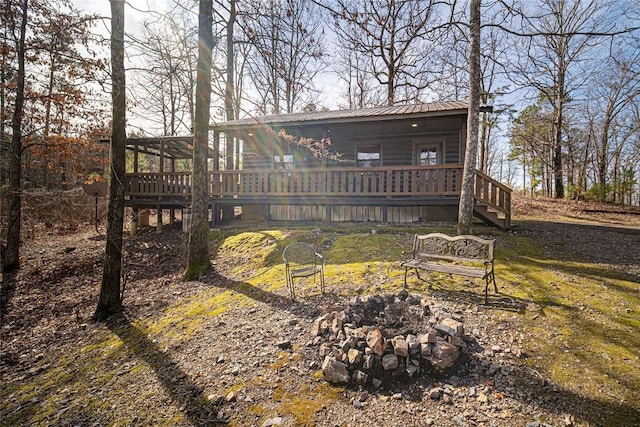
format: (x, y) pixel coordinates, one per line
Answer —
(364, 114)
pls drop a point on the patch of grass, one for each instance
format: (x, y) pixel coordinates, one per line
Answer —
(304, 403)
(102, 365)
(577, 325)
(353, 249)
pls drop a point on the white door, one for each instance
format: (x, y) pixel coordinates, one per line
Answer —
(428, 155)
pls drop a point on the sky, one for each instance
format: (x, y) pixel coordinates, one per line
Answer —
(135, 10)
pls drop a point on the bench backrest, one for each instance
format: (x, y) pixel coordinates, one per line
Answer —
(457, 248)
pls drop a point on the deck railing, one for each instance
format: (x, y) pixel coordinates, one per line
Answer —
(389, 182)
(336, 182)
(158, 184)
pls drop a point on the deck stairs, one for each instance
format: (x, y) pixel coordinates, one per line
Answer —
(492, 202)
(489, 216)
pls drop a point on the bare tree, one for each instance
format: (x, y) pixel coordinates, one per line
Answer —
(361, 91)
(619, 88)
(110, 299)
(198, 257)
(554, 42)
(165, 81)
(397, 38)
(229, 87)
(455, 74)
(529, 143)
(287, 51)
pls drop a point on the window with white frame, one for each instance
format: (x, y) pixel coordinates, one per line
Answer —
(369, 155)
(283, 162)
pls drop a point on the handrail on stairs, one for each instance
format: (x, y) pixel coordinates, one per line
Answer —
(493, 194)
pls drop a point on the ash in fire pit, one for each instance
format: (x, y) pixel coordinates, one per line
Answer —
(378, 339)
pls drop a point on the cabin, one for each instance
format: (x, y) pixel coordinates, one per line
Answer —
(397, 164)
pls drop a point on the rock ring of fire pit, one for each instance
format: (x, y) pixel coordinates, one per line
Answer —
(378, 339)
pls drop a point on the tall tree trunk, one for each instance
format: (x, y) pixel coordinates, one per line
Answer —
(391, 90)
(603, 154)
(229, 88)
(558, 121)
(465, 211)
(11, 256)
(571, 171)
(198, 258)
(110, 300)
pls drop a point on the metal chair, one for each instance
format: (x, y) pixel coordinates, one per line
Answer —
(302, 260)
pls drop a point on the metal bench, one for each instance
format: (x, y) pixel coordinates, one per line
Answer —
(302, 260)
(462, 255)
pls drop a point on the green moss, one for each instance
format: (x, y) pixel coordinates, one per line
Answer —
(258, 410)
(196, 271)
(584, 330)
(304, 403)
(354, 249)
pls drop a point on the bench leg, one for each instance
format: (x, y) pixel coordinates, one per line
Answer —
(486, 291)
(488, 279)
(406, 270)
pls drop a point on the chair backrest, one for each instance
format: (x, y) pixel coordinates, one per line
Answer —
(299, 253)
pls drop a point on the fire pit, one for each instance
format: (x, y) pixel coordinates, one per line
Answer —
(378, 339)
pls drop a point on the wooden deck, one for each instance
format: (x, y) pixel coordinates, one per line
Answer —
(381, 186)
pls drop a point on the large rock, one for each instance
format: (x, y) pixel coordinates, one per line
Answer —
(334, 371)
(400, 346)
(444, 355)
(425, 349)
(322, 324)
(368, 362)
(445, 330)
(430, 337)
(412, 342)
(376, 341)
(455, 325)
(354, 356)
(360, 377)
(389, 362)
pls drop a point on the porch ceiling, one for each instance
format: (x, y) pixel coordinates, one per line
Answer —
(175, 147)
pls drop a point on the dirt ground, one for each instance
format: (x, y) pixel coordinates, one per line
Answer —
(47, 307)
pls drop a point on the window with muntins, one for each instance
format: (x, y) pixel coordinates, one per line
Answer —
(368, 156)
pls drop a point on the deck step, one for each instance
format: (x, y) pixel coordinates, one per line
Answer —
(488, 217)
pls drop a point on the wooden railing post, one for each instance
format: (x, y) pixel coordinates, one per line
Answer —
(493, 194)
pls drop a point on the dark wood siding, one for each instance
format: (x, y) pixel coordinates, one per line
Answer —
(452, 149)
(397, 142)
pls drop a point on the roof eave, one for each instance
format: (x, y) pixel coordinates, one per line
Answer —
(252, 123)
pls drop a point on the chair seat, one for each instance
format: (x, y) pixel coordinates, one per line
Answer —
(305, 271)
(302, 260)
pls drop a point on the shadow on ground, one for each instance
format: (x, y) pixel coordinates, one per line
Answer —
(186, 394)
